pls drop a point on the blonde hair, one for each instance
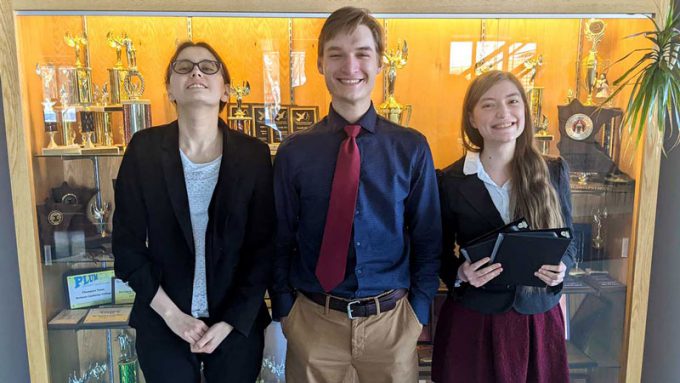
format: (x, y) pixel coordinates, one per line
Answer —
(533, 196)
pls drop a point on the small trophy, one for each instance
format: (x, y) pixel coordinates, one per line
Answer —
(594, 33)
(539, 120)
(391, 109)
(83, 74)
(98, 214)
(87, 127)
(94, 374)
(240, 120)
(68, 119)
(598, 239)
(50, 117)
(136, 112)
(118, 72)
(127, 363)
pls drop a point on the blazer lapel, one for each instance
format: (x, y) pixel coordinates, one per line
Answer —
(174, 179)
(474, 192)
(228, 182)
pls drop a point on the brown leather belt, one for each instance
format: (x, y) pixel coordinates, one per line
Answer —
(362, 307)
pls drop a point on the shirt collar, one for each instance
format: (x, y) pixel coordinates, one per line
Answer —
(367, 121)
(473, 165)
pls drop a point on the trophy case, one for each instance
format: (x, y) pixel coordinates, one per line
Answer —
(100, 78)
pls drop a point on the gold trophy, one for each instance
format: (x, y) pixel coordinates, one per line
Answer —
(539, 121)
(391, 109)
(594, 33)
(240, 120)
(136, 112)
(83, 74)
(118, 73)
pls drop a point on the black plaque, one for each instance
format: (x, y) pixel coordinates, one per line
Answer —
(282, 121)
(303, 117)
(262, 130)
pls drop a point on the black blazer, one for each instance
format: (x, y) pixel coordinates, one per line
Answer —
(468, 212)
(152, 236)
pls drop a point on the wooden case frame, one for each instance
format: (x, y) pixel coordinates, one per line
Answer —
(21, 173)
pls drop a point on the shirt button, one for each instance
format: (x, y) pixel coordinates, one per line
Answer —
(359, 271)
(357, 212)
(358, 244)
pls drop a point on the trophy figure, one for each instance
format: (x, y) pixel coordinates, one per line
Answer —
(598, 217)
(118, 73)
(594, 33)
(127, 363)
(391, 109)
(240, 120)
(83, 74)
(94, 374)
(136, 112)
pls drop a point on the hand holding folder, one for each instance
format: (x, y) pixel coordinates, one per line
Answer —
(521, 252)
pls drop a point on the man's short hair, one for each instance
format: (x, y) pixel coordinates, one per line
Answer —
(346, 20)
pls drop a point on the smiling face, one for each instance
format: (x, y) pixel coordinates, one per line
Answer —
(349, 64)
(498, 116)
(197, 89)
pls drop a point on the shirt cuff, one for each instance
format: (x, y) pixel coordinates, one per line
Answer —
(422, 309)
(281, 305)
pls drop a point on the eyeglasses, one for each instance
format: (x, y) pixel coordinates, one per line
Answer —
(205, 66)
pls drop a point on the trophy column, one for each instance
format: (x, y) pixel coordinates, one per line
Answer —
(391, 109)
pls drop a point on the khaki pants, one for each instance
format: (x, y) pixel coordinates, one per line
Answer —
(325, 346)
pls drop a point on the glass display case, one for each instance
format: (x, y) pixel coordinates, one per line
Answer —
(89, 81)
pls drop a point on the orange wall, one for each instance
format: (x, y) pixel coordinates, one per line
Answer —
(425, 82)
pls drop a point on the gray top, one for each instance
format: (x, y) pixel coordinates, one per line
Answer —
(200, 180)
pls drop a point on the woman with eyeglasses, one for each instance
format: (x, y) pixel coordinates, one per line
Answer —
(192, 233)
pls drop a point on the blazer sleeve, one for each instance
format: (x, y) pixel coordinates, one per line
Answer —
(565, 202)
(287, 210)
(255, 265)
(133, 262)
(449, 261)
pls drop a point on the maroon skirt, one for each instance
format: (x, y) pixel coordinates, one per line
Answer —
(499, 348)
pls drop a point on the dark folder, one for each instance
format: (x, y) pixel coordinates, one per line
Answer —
(523, 253)
(485, 244)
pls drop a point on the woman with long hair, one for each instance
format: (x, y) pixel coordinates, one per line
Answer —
(486, 332)
(192, 233)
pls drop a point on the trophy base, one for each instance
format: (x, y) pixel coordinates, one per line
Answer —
(61, 150)
(273, 148)
(100, 150)
(617, 179)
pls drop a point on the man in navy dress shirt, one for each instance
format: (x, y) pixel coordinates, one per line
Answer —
(366, 326)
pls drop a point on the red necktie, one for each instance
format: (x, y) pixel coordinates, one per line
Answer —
(330, 270)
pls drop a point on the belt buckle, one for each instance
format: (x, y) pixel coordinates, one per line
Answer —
(349, 309)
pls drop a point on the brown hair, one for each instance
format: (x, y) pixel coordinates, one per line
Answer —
(533, 196)
(186, 44)
(346, 20)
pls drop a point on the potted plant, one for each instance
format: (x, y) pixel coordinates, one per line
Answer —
(655, 77)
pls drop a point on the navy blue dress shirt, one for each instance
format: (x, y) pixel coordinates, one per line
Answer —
(396, 238)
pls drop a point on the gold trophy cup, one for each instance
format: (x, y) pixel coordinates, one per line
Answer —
(391, 109)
